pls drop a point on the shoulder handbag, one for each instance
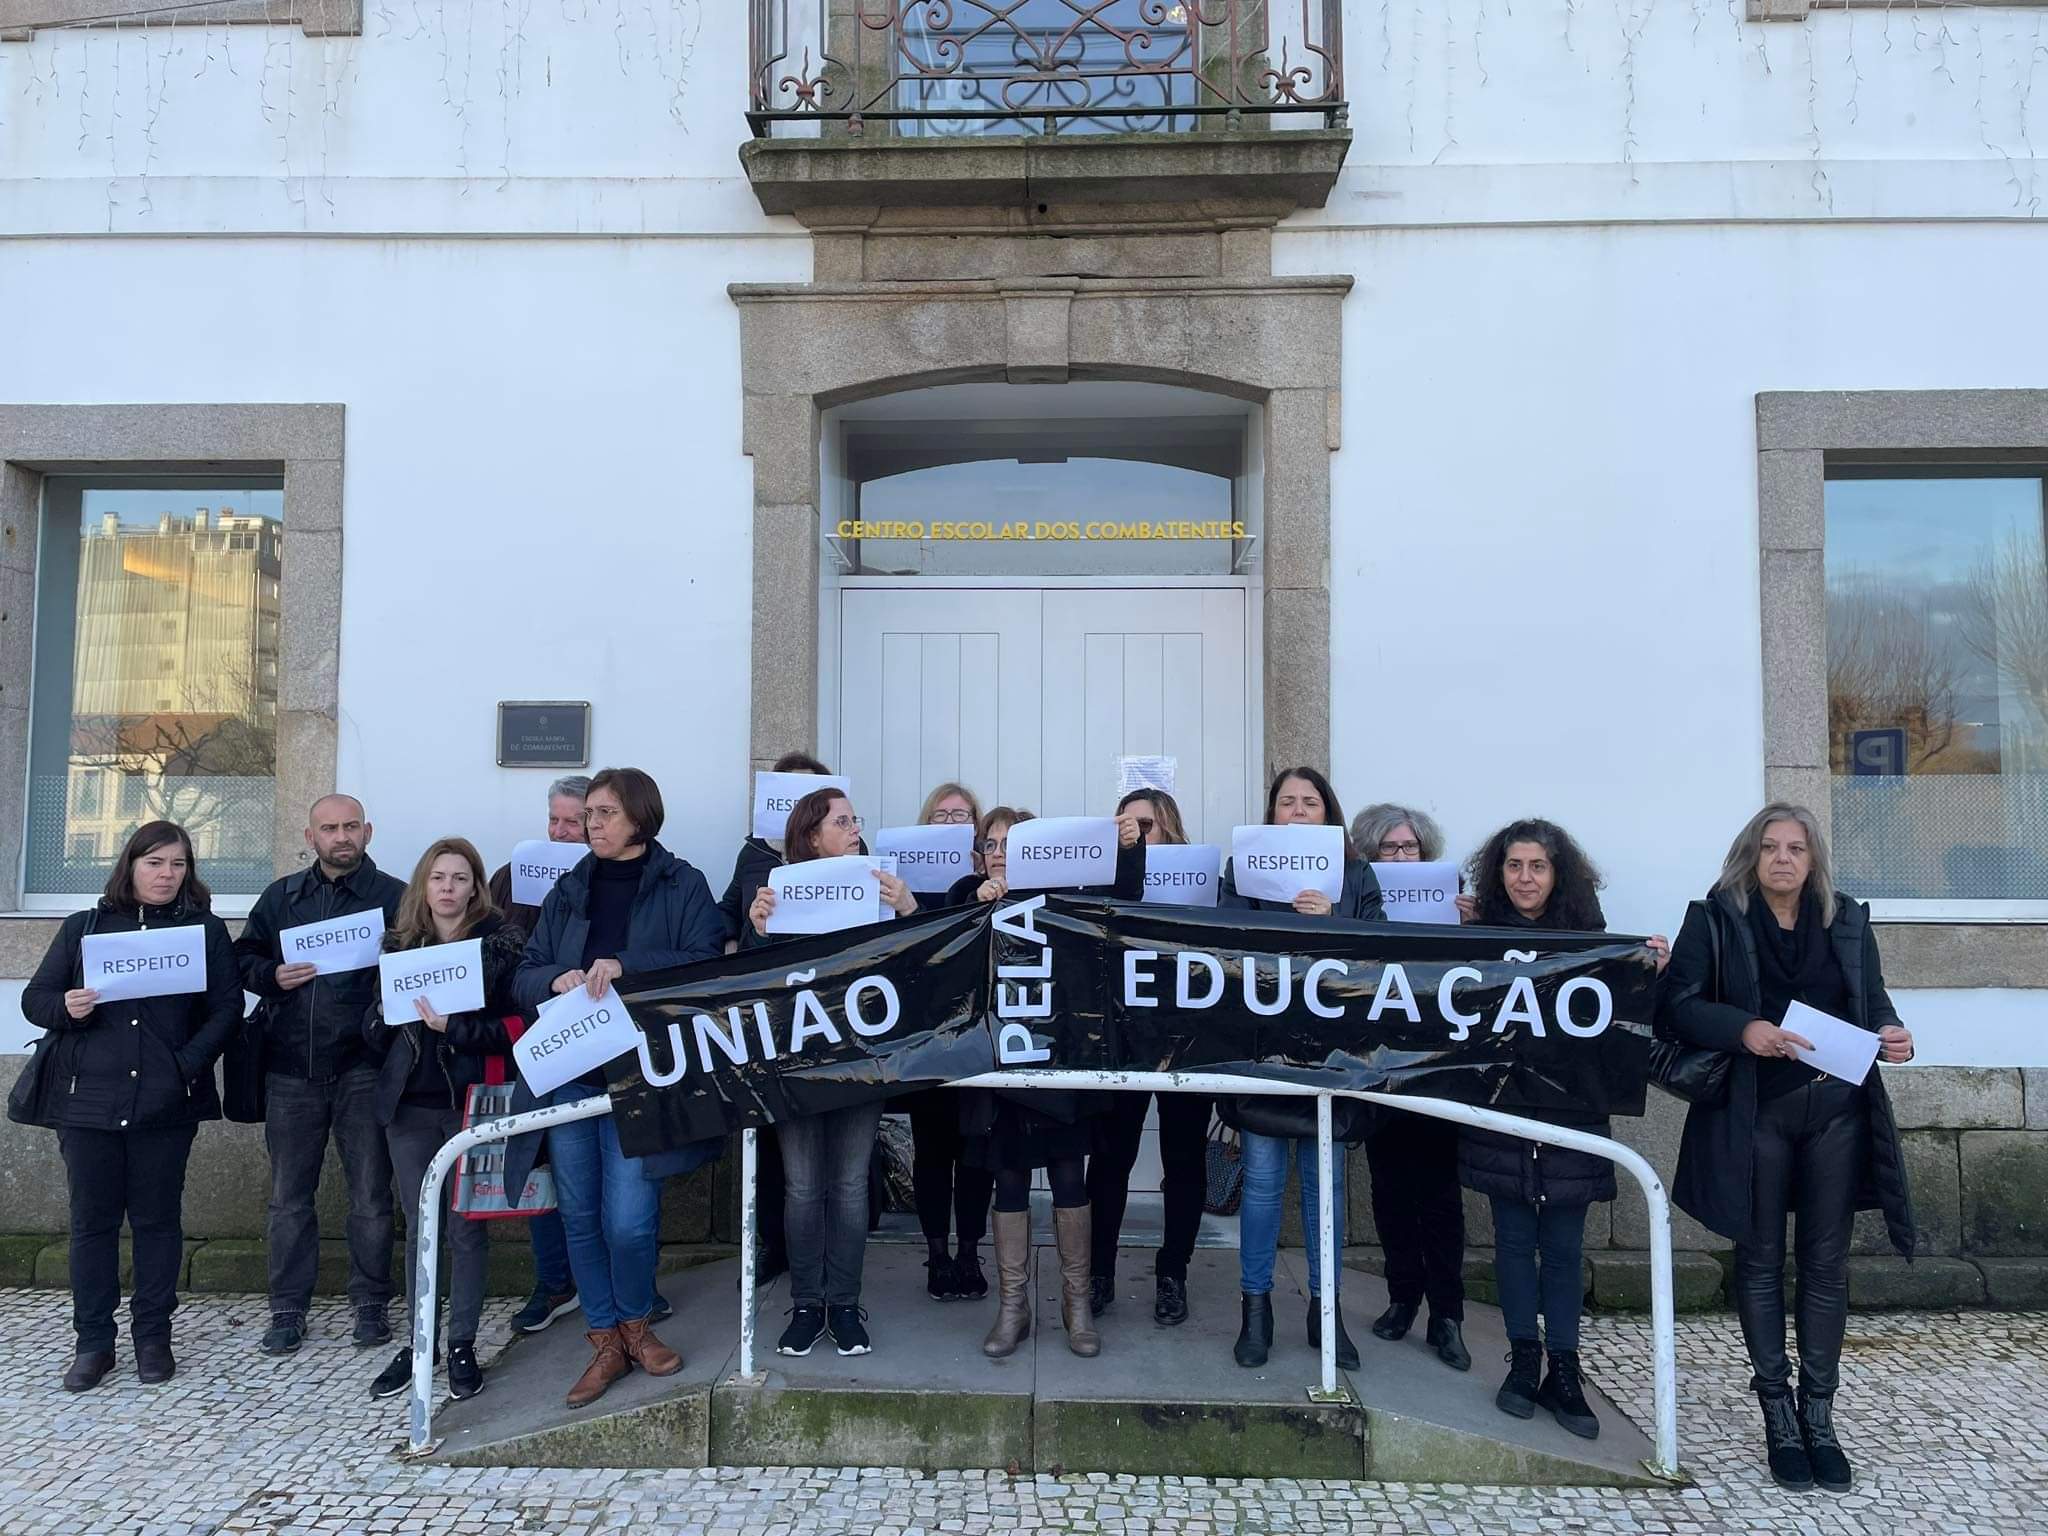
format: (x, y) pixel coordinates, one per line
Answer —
(28, 1100)
(242, 1068)
(1689, 1072)
(477, 1186)
(1225, 1165)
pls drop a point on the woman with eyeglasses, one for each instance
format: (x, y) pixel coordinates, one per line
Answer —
(951, 1192)
(629, 908)
(1117, 1134)
(1014, 1135)
(1533, 874)
(1417, 1206)
(1275, 1129)
(825, 1156)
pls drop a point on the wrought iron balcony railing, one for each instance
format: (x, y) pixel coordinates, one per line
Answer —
(969, 68)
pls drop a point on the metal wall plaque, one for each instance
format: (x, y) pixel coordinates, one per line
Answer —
(544, 733)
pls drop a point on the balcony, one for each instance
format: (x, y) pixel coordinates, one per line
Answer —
(937, 103)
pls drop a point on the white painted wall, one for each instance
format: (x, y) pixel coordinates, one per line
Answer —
(544, 496)
(1585, 236)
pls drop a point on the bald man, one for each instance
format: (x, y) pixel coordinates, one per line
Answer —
(319, 1078)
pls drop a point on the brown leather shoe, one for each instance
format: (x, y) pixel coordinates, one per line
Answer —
(606, 1367)
(647, 1351)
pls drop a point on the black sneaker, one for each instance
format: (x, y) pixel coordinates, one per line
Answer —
(1563, 1393)
(1170, 1302)
(939, 1282)
(662, 1310)
(286, 1333)
(543, 1307)
(847, 1326)
(395, 1377)
(1101, 1294)
(372, 1327)
(806, 1323)
(465, 1376)
(969, 1283)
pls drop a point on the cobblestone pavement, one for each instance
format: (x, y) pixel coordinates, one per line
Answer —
(1946, 1412)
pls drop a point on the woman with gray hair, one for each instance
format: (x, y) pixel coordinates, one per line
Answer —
(1417, 1206)
(1774, 931)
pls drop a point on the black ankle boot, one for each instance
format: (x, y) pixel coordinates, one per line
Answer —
(1255, 1336)
(1517, 1395)
(1347, 1352)
(1784, 1444)
(1564, 1394)
(1817, 1421)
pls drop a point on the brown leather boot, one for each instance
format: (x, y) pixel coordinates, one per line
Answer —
(646, 1351)
(1013, 1271)
(606, 1367)
(1070, 1226)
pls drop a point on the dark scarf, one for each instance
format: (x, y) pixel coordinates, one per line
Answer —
(1794, 964)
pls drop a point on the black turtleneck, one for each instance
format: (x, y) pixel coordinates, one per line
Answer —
(1793, 964)
(613, 885)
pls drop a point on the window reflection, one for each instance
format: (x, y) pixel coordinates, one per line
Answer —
(156, 683)
(1937, 624)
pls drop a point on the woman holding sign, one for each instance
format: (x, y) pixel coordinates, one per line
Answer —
(825, 1156)
(1774, 937)
(1533, 874)
(1274, 1128)
(1014, 1135)
(951, 1193)
(1416, 1205)
(430, 1062)
(1183, 1142)
(630, 908)
(125, 1083)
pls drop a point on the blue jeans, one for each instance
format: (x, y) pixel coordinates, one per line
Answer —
(1522, 1231)
(550, 1254)
(825, 1202)
(611, 1216)
(1258, 1214)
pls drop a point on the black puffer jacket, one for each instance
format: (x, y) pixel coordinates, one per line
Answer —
(314, 1031)
(1351, 1120)
(139, 1064)
(757, 860)
(1515, 1168)
(470, 1038)
(1707, 1005)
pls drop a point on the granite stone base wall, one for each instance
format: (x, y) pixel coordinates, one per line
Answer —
(1976, 1144)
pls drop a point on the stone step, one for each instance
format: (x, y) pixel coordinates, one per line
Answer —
(1159, 1401)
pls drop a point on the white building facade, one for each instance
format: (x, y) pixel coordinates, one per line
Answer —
(1589, 385)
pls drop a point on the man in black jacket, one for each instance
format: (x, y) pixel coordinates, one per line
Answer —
(319, 1077)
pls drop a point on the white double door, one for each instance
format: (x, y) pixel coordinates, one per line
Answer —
(1030, 695)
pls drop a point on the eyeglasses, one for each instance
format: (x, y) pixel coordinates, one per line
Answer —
(1145, 825)
(1408, 850)
(846, 823)
(950, 818)
(602, 813)
(1000, 845)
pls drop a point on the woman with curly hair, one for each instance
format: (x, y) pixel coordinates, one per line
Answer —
(1531, 874)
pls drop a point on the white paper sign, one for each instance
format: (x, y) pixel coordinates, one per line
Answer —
(1183, 874)
(572, 1034)
(885, 863)
(929, 858)
(351, 943)
(1840, 1049)
(449, 976)
(1139, 773)
(1055, 852)
(537, 864)
(825, 895)
(153, 962)
(776, 795)
(1279, 863)
(1416, 892)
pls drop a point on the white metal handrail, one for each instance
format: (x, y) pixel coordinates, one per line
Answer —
(1663, 1319)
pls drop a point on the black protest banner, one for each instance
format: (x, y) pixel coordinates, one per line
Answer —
(1519, 1019)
